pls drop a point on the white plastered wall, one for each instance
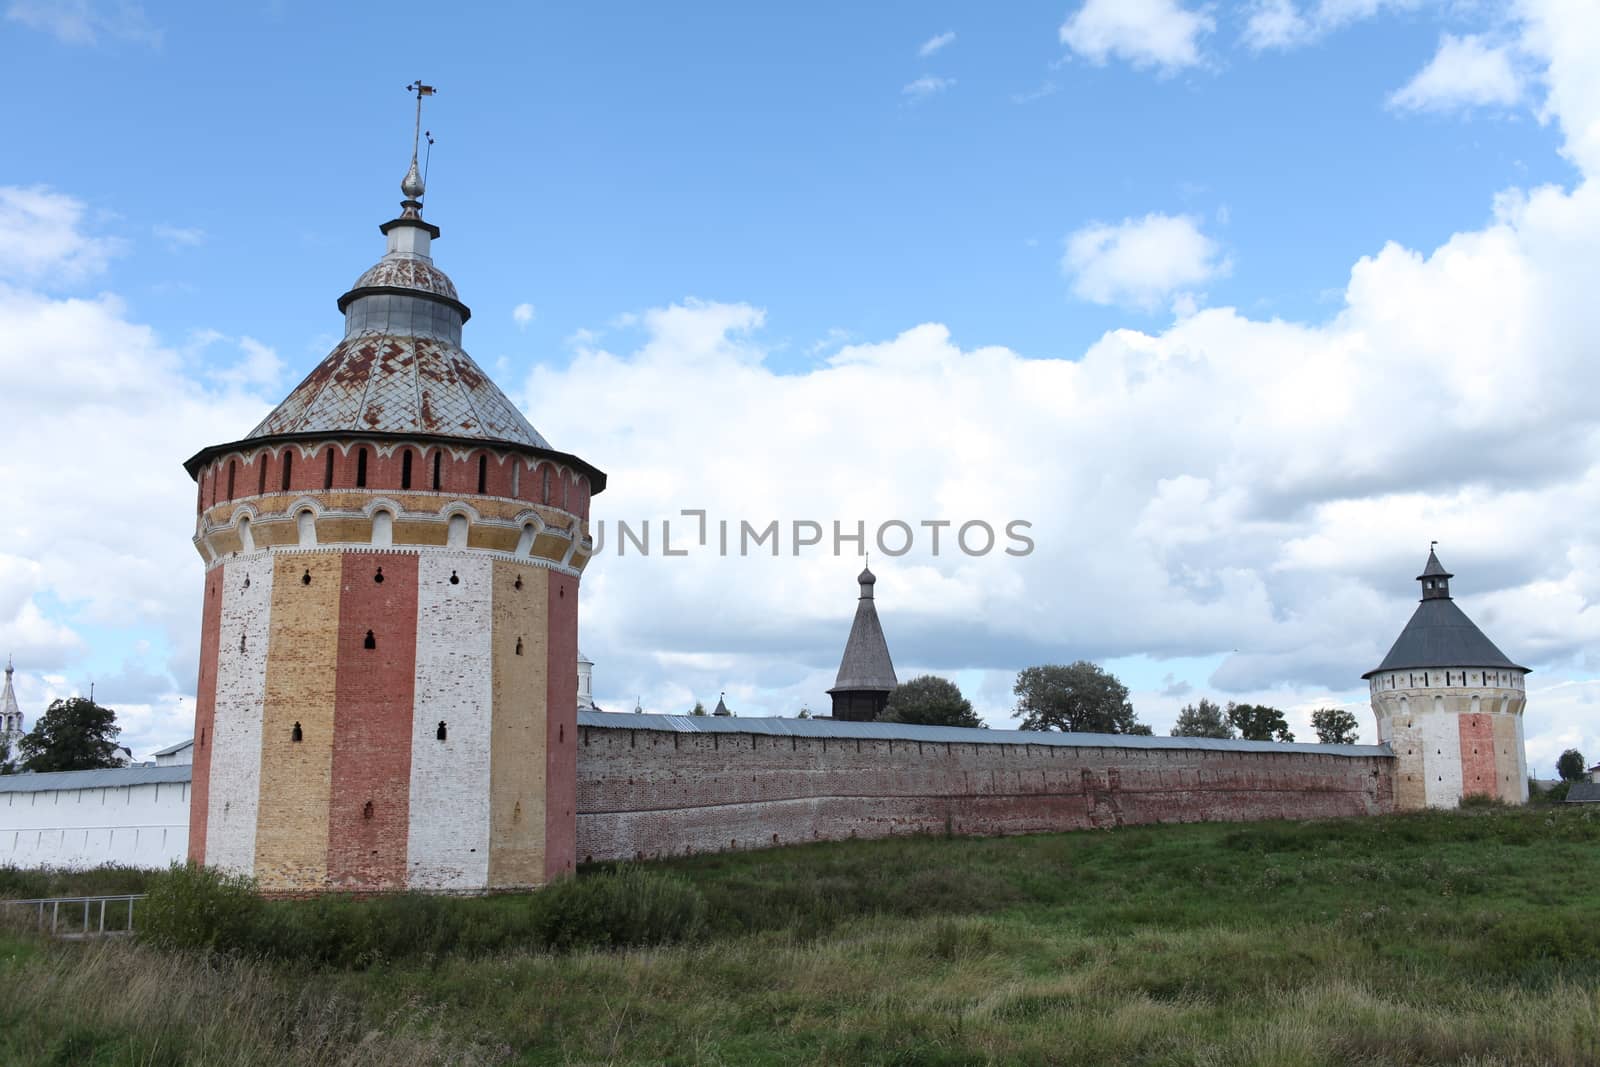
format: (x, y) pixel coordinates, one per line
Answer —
(235, 779)
(447, 846)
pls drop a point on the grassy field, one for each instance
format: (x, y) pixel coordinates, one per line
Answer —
(1463, 938)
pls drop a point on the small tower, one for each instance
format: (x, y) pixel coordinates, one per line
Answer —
(11, 730)
(585, 683)
(722, 706)
(866, 674)
(1449, 703)
(389, 639)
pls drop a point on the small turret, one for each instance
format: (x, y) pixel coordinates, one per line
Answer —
(866, 673)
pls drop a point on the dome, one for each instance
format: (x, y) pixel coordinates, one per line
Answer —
(403, 271)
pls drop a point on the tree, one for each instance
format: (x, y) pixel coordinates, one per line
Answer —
(6, 764)
(1205, 719)
(1571, 766)
(72, 735)
(1335, 726)
(929, 701)
(1080, 697)
(1257, 722)
(699, 709)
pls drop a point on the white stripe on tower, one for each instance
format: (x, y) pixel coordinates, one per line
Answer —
(236, 727)
(447, 845)
(1441, 742)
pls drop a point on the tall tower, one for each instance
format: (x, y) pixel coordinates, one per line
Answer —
(1450, 705)
(866, 674)
(389, 640)
(11, 730)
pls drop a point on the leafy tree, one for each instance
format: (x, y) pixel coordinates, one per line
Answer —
(1335, 726)
(1571, 766)
(1080, 697)
(1205, 719)
(72, 735)
(699, 709)
(930, 701)
(6, 764)
(1258, 722)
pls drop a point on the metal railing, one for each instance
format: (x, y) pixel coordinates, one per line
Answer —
(80, 917)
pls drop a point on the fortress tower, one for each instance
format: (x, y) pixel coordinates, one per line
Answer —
(388, 661)
(1450, 705)
(11, 730)
(866, 674)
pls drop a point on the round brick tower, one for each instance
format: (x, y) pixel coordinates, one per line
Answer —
(1449, 703)
(388, 661)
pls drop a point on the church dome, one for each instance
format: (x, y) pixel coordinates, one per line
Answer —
(399, 271)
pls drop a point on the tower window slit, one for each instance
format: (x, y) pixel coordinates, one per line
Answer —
(261, 480)
(231, 466)
(371, 641)
(379, 576)
(405, 470)
(327, 477)
(361, 468)
(437, 457)
(288, 463)
(483, 474)
(519, 646)
(440, 732)
(297, 734)
(366, 810)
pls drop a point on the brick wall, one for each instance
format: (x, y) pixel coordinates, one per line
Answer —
(653, 792)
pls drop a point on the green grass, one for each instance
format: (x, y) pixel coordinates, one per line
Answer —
(1461, 938)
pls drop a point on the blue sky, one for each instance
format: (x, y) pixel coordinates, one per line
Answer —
(1221, 297)
(608, 158)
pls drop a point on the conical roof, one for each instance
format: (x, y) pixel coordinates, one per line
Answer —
(382, 382)
(1440, 634)
(866, 664)
(8, 696)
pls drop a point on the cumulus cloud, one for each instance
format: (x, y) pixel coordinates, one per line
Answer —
(926, 86)
(933, 44)
(85, 22)
(1142, 262)
(1246, 494)
(46, 238)
(1466, 72)
(522, 314)
(1145, 33)
(1284, 24)
(99, 416)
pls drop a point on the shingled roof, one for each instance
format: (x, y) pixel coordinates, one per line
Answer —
(866, 664)
(1440, 634)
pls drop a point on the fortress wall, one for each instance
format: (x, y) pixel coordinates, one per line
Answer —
(654, 792)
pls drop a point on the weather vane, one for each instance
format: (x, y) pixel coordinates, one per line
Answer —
(414, 185)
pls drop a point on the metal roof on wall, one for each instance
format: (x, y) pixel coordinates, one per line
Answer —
(896, 731)
(105, 778)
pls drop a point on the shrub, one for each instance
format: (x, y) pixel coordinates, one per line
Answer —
(190, 906)
(623, 908)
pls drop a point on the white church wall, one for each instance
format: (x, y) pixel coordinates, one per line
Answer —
(145, 824)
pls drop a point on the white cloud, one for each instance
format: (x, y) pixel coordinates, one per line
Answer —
(926, 86)
(176, 237)
(1466, 72)
(45, 238)
(1142, 262)
(85, 22)
(99, 416)
(1146, 33)
(1284, 24)
(522, 314)
(933, 44)
(1249, 494)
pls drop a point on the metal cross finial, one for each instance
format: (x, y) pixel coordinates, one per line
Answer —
(413, 185)
(1432, 545)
